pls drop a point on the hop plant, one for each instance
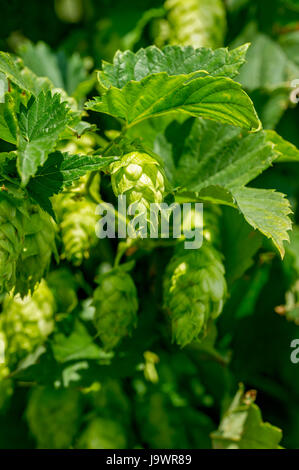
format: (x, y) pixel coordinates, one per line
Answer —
(76, 214)
(27, 322)
(53, 416)
(194, 291)
(116, 305)
(11, 240)
(39, 244)
(139, 177)
(103, 433)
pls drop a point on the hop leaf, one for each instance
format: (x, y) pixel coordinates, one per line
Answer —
(194, 291)
(53, 416)
(39, 244)
(11, 240)
(242, 426)
(27, 322)
(139, 177)
(116, 304)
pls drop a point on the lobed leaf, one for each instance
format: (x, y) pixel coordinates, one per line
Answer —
(216, 98)
(40, 124)
(173, 60)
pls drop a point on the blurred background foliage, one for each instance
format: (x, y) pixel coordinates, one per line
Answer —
(151, 394)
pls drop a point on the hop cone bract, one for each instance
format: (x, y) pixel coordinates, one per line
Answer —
(116, 304)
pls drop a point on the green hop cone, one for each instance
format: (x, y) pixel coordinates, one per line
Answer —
(197, 23)
(76, 214)
(36, 254)
(11, 240)
(53, 416)
(116, 305)
(27, 322)
(139, 177)
(194, 291)
(103, 433)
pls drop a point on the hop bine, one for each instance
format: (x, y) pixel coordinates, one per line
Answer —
(116, 305)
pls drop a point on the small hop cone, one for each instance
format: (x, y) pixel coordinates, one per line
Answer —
(116, 305)
(11, 241)
(76, 214)
(27, 322)
(194, 291)
(39, 245)
(53, 416)
(139, 177)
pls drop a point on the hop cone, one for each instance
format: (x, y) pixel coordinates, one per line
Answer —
(11, 241)
(103, 433)
(138, 176)
(77, 219)
(27, 322)
(196, 23)
(54, 416)
(116, 304)
(194, 291)
(36, 254)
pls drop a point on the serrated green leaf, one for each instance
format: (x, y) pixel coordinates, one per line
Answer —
(219, 99)
(59, 171)
(10, 67)
(40, 124)
(174, 60)
(217, 155)
(287, 151)
(242, 426)
(266, 210)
